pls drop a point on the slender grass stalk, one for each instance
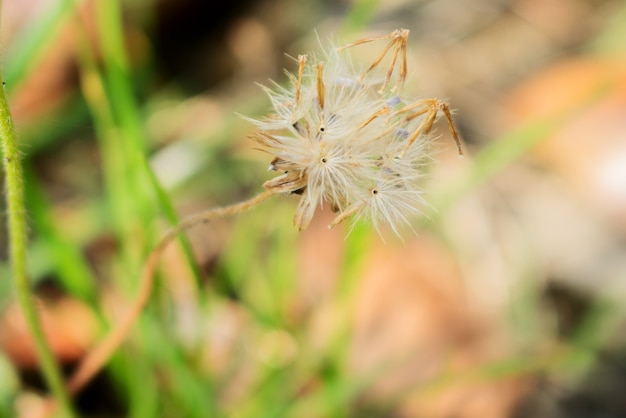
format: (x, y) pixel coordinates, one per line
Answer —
(29, 46)
(16, 214)
(74, 273)
(118, 101)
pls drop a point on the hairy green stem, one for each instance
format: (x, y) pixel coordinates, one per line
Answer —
(17, 230)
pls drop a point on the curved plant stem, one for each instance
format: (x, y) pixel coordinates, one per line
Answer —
(16, 214)
(98, 356)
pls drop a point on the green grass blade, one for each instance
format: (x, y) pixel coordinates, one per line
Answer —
(32, 41)
(69, 263)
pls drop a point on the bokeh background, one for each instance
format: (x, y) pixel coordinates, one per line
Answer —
(508, 302)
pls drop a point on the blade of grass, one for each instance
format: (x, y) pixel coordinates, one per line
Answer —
(126, 112)
(143, 394)
(23, 55)
(69, 263)
(191, 393)
(119, 203)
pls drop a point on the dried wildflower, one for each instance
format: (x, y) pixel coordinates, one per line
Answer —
(339, 136)
(349, 138)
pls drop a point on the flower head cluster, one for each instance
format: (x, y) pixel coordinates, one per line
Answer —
(347, 138)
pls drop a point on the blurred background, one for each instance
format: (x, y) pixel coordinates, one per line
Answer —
(508, 302)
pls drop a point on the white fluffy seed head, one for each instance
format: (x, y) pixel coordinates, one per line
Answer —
(338, 139)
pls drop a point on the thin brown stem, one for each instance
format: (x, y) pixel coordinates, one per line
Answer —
(93, 362)
(98, 357)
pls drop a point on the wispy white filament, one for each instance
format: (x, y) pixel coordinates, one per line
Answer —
(350, 139)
